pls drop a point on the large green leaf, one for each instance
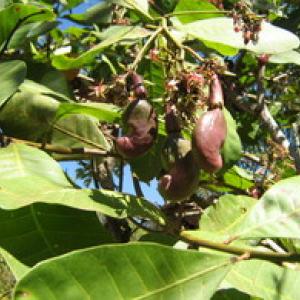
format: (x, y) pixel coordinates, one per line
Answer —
(29, 112)
(29, 115)
(289, 57)
(226, 215)
(102, 111)
(30, 31)
(277, 213)
(29, 175)
(39, 231)
(49, 77)
(265, 280)
(15, 13)
(272, 39)
(12, 74)
(232, 148)
(186, 5)
(112, 35)
(136, 271)
(101, 13)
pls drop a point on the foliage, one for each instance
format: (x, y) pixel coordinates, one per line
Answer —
(200, 97)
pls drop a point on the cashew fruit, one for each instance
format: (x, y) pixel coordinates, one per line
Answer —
(140, 127)
(181, 180)
(208, 138)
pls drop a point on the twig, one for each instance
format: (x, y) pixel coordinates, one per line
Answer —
(121, 175)
(271, 256)
(16, 27)
(137, 186)
(193, 53)
(294, 148)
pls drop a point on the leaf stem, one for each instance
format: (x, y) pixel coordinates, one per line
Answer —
(144, 49)
(258, 254)
(196, 12)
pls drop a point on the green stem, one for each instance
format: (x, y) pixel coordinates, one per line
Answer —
(271, 256)
(143, 51)
(196, 12)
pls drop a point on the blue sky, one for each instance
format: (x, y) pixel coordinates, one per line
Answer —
(150, 191)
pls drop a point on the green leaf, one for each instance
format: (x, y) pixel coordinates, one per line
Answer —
(12, 74)
(101, 13)
(16, 267)
(85, 127)
(49, 77)
(230, 294)
(151, 272)
(15, 13)
(276, 214)
(159, 238)
(238, 178)
(272, 39)
(289, 57)
(102, 111)
(112, 35)
(232, 149)
(40, 231)
(28, 114)
(226, 215)
(186, 5)
(149, 165)
(265, 280)
(29, 32)
(140, 6)
(29, 175)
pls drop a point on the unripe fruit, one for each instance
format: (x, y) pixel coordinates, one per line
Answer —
(141, 129)
(216, 98)
(181, 180)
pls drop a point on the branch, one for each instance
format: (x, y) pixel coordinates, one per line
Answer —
(137, 186)
(294, 149)
(271, 256)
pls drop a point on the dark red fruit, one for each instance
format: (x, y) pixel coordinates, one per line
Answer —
(208, 138)
(141, 129)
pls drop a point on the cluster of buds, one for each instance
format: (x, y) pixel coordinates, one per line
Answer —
(245, 21)
(186, 93)
(114, 92)
(118, 16)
